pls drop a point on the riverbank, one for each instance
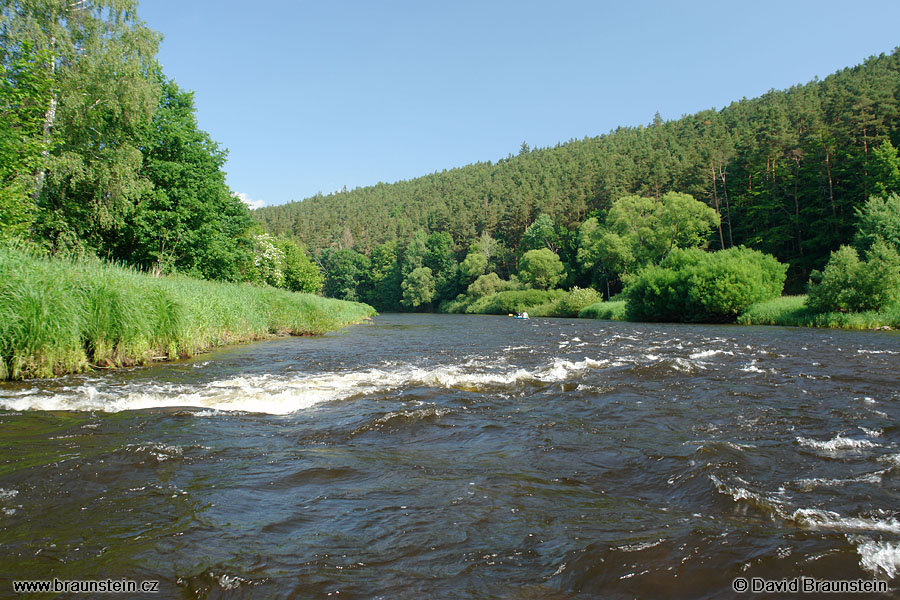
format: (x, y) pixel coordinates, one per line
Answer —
(65, 316)
(787, 311)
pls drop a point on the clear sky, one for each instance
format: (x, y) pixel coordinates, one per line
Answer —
(313, 96)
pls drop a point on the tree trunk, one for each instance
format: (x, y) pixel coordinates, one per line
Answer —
(716, 198)
(49, 119)
(727, 205)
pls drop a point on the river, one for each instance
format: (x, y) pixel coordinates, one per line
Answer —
(453, 456)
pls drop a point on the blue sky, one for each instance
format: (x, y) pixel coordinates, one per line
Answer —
(312, 96)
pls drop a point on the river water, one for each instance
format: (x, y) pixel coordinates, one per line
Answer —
(452, 456)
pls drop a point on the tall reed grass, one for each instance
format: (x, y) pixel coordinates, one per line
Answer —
(65, 316)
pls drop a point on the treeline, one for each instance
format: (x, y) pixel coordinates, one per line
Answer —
(101, 154)
(783, 172)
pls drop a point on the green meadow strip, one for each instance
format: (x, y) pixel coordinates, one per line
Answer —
(66, 316)
(613, 310)
(791, 311)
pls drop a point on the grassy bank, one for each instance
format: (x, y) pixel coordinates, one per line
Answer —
(791, 311)
(60, 316)
(788, 311)
(610, 311)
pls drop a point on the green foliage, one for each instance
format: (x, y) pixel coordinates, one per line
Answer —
(575, 300)
(104, 93)
(486, 285)
(441, 259)
(535, 302)
(725, 282)
(656, 294)
(472, 267)
(300, 274)
(189, 221)
(878, 218)
(418, 288)
(695, 286)
(885, 169)
(415, 252)
(541, 234)
(486, 245)
(784, 310)
(792, 311)
(268, 261)
(610, 311)
(541, 269)
(642, 231)
(345, 274)
(385, 278)
(849, 284)
(59, 316)
(24, 92)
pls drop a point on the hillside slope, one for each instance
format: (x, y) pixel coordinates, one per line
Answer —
(785, 172)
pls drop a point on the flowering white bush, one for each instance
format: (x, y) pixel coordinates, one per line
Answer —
(269, 260)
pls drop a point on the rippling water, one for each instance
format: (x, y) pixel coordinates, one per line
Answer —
(461, 456)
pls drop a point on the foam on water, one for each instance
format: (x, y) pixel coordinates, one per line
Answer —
(708, 353)
(891, 459)
(872, 432)
(280, 394)
(751, 367)
(836, 443)
(814, 518)
(8, 495)
(879, 558)
(814, 482)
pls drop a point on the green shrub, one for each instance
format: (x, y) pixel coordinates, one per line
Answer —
(725, 282)
(503, 303)
(575, 300)
(485, 285)
(541, 269)
(849, 284)
(656, 294)
(696, 286)
(458, 305)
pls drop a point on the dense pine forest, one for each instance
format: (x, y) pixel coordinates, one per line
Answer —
(785, 173)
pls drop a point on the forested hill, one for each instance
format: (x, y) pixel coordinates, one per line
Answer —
(785, 172)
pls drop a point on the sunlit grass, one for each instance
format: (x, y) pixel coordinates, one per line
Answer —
(787, 311)
(792, 311)
(611, 311)
(63, 316)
